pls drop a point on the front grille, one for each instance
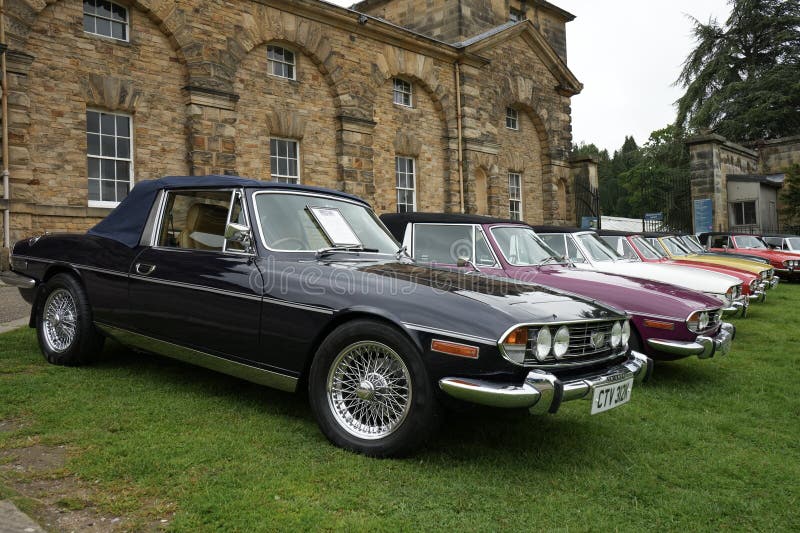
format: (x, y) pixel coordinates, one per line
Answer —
(582, 347)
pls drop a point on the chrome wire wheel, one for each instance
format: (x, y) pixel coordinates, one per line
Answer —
(369, 390)
(60, 320)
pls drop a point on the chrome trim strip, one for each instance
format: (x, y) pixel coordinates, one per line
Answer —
(31, 258)
(100, 270)
(305, 307)
(206, 360)
(182, 285)
(455, 334)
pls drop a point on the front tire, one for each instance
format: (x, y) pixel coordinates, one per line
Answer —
(64, 325)
(370, 392)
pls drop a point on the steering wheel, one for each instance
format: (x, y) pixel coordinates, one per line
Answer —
(299, 242)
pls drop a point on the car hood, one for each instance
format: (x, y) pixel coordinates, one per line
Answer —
(682, 276)
(634, 295)
(521, 301)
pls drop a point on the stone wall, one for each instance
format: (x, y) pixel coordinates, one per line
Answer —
(193, 78)
(779, 154)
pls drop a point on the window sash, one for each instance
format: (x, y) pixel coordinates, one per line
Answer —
(515, 196)
(402, 92)
(109, 160)
(512, 118)
(284, 160)
(405, 184)
(106, 19)
(281, 62)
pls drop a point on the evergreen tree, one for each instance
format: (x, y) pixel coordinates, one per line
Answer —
(743, 78)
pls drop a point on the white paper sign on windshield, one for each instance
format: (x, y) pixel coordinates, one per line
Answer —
(335, 226)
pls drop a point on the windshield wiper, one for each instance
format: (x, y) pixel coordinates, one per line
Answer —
(344, 249)
(550, 259)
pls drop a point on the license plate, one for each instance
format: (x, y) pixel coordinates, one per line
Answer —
(610, 396)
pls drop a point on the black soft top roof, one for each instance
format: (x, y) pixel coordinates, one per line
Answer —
(397, 222)
(559, 229)
(127, 221)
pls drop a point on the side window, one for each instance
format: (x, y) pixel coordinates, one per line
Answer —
(237, 216)
(195, 220)
(442, 244)
(483, 254)
(574, 254)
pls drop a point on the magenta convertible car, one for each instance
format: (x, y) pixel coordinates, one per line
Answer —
(668, 322)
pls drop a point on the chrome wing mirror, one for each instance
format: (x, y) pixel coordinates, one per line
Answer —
(239, 233)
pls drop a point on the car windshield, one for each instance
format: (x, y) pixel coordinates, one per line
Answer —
(597, 248)
(646, 249)
(793, 243)
(287, 223)
(522, 247)
(748, 241)
(691, 244)
(675, 246)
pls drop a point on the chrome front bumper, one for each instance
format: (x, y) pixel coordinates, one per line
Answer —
(542, 392)
(16, 280)
(739, 305)
(703, 347)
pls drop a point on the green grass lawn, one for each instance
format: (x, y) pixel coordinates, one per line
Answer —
(705, 445)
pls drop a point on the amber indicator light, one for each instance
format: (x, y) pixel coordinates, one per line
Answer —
(518, 336)
(453, 348)
(657, 324)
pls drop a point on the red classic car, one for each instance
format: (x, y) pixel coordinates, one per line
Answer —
(785, 263)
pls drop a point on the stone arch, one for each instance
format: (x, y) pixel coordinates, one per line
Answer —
(21, 15)
(58, 85)
(267, 25)
(418, 69)
(487, 165)
(304, 110)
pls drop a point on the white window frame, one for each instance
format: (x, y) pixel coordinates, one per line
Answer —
(515, 198)
(130, 160)
(104, 36)
(512, 119)
(402, 93)
(280, 178)
(292, 64)
(398, 188)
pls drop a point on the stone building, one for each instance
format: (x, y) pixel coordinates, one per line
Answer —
(737, 188)
(434, 105)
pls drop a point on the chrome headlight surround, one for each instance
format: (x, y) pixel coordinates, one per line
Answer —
(699, 321)
(616, 335)
(544, 343)
(561, 342)
(753, 286)
(626, 332)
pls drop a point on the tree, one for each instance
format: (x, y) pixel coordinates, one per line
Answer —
(743, 79)
(790, 197)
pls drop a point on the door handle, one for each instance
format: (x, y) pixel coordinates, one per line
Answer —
(145, 269)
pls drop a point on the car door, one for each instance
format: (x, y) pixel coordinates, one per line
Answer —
(194, 287)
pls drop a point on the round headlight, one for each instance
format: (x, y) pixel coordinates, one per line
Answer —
(626, 332)
(703, 322)
(616, 335)
(561, 342)
(544, 342)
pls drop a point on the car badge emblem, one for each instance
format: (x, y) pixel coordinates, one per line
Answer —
(598, 339)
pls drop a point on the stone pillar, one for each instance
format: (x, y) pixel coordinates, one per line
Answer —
(354, 148)
(211, 130)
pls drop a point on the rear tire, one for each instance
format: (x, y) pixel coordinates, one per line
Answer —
(64, 325)
(370, 392)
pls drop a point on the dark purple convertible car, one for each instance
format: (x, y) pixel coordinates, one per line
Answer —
(293, 286)
(668, 322)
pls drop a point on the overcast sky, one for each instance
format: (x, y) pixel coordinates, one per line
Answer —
(627, 54)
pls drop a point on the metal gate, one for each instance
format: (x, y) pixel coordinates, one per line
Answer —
(587, 201)
(667, 203)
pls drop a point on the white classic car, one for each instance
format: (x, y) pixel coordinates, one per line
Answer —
(588, 251)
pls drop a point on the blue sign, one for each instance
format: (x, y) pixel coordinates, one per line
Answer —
(588, 222)
(654, 216)
(703, 215)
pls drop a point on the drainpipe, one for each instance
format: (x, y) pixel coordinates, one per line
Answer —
(460, 147)
(4, 88)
